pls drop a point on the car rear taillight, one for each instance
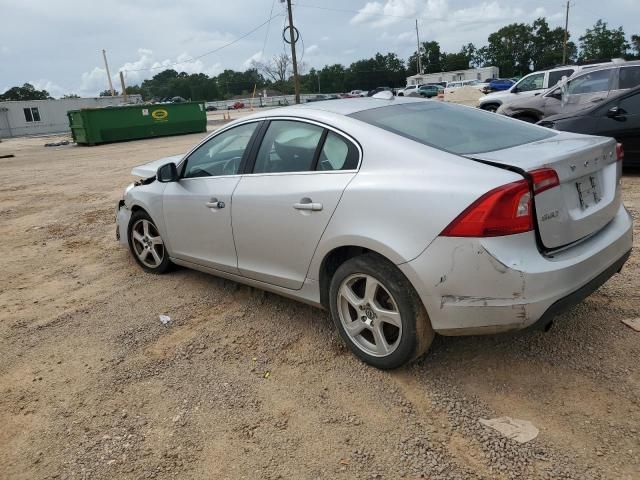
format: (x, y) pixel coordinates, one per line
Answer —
(505, 210)
(544, 179)
(619, 152)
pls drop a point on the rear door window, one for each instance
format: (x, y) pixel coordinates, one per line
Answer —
(629, 77)
(452, 128)
(288, 146)
(591, 82)
(555, 77)
(337, 154)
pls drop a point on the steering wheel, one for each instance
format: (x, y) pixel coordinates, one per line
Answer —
(231, 166)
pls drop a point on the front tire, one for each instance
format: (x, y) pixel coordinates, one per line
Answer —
(378, 313)
(146, 244)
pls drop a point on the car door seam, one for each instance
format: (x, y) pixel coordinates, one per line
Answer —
(233, 234)
(325, 228)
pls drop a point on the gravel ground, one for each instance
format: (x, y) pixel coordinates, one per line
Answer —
(247, 385)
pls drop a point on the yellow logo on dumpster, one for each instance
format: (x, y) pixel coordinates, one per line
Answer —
(159, 114)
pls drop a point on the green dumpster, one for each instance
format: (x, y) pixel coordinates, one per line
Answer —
(91, 126)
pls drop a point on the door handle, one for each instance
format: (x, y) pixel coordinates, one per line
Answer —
(214, 203)
(315, 207)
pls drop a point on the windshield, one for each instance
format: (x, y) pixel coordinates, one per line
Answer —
(453, 128)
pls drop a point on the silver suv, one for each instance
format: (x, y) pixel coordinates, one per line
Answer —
(535, 83)
(585, 88)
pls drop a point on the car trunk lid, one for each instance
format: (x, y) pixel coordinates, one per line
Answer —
(588, 195)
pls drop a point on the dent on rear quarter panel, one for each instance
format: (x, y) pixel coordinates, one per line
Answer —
(454, 273)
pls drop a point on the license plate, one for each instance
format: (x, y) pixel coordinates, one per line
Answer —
(588, 191)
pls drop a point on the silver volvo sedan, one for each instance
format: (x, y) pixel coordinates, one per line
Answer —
(402, 217)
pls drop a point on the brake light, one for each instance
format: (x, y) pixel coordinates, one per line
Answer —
(544, 179)
(619, 152)
(505, 210)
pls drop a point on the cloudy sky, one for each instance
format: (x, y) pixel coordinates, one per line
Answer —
(57, 44)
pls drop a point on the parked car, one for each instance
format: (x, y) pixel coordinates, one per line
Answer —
(342, 205)
(427, 91)
(321, 97)
(589, 86)
(407, 91)
(618, 117)
(211, 108)
(358, 93)
(371, 93)
(236, 106)
(534, 84)
(499, 84)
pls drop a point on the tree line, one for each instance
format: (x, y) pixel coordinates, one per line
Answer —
(516, 49)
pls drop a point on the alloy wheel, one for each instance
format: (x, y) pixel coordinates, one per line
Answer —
(369, 315)
(147, 243)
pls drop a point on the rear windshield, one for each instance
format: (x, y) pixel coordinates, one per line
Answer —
(452, 128)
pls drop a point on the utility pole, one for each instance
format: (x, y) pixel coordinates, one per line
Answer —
(124, 88)
(419, 59)
(566, 29)
(106, 66)
(296, 81)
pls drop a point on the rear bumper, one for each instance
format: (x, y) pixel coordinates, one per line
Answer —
(474, 286)
(583, 292)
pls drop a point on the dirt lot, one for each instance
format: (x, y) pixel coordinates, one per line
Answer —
(247, 385)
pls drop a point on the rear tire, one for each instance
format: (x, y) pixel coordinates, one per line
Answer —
(378, 313)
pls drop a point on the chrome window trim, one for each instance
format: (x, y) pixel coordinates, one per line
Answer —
(322, 125)
(279, 117)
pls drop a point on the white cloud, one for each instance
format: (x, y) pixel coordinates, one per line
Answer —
(312, 49)
(381, 15)
(53, 89)
(93, 82)
(256, 57)
(146, 66)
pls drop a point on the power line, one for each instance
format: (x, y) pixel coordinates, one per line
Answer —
(266, 35)
(209, 52)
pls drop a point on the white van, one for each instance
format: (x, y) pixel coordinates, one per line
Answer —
(535, 83)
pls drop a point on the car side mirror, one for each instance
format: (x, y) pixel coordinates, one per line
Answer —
(515, 90)
(167, 173)
(557, 95)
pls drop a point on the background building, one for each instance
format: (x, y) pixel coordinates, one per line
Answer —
(454, 76)
(40, 117)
